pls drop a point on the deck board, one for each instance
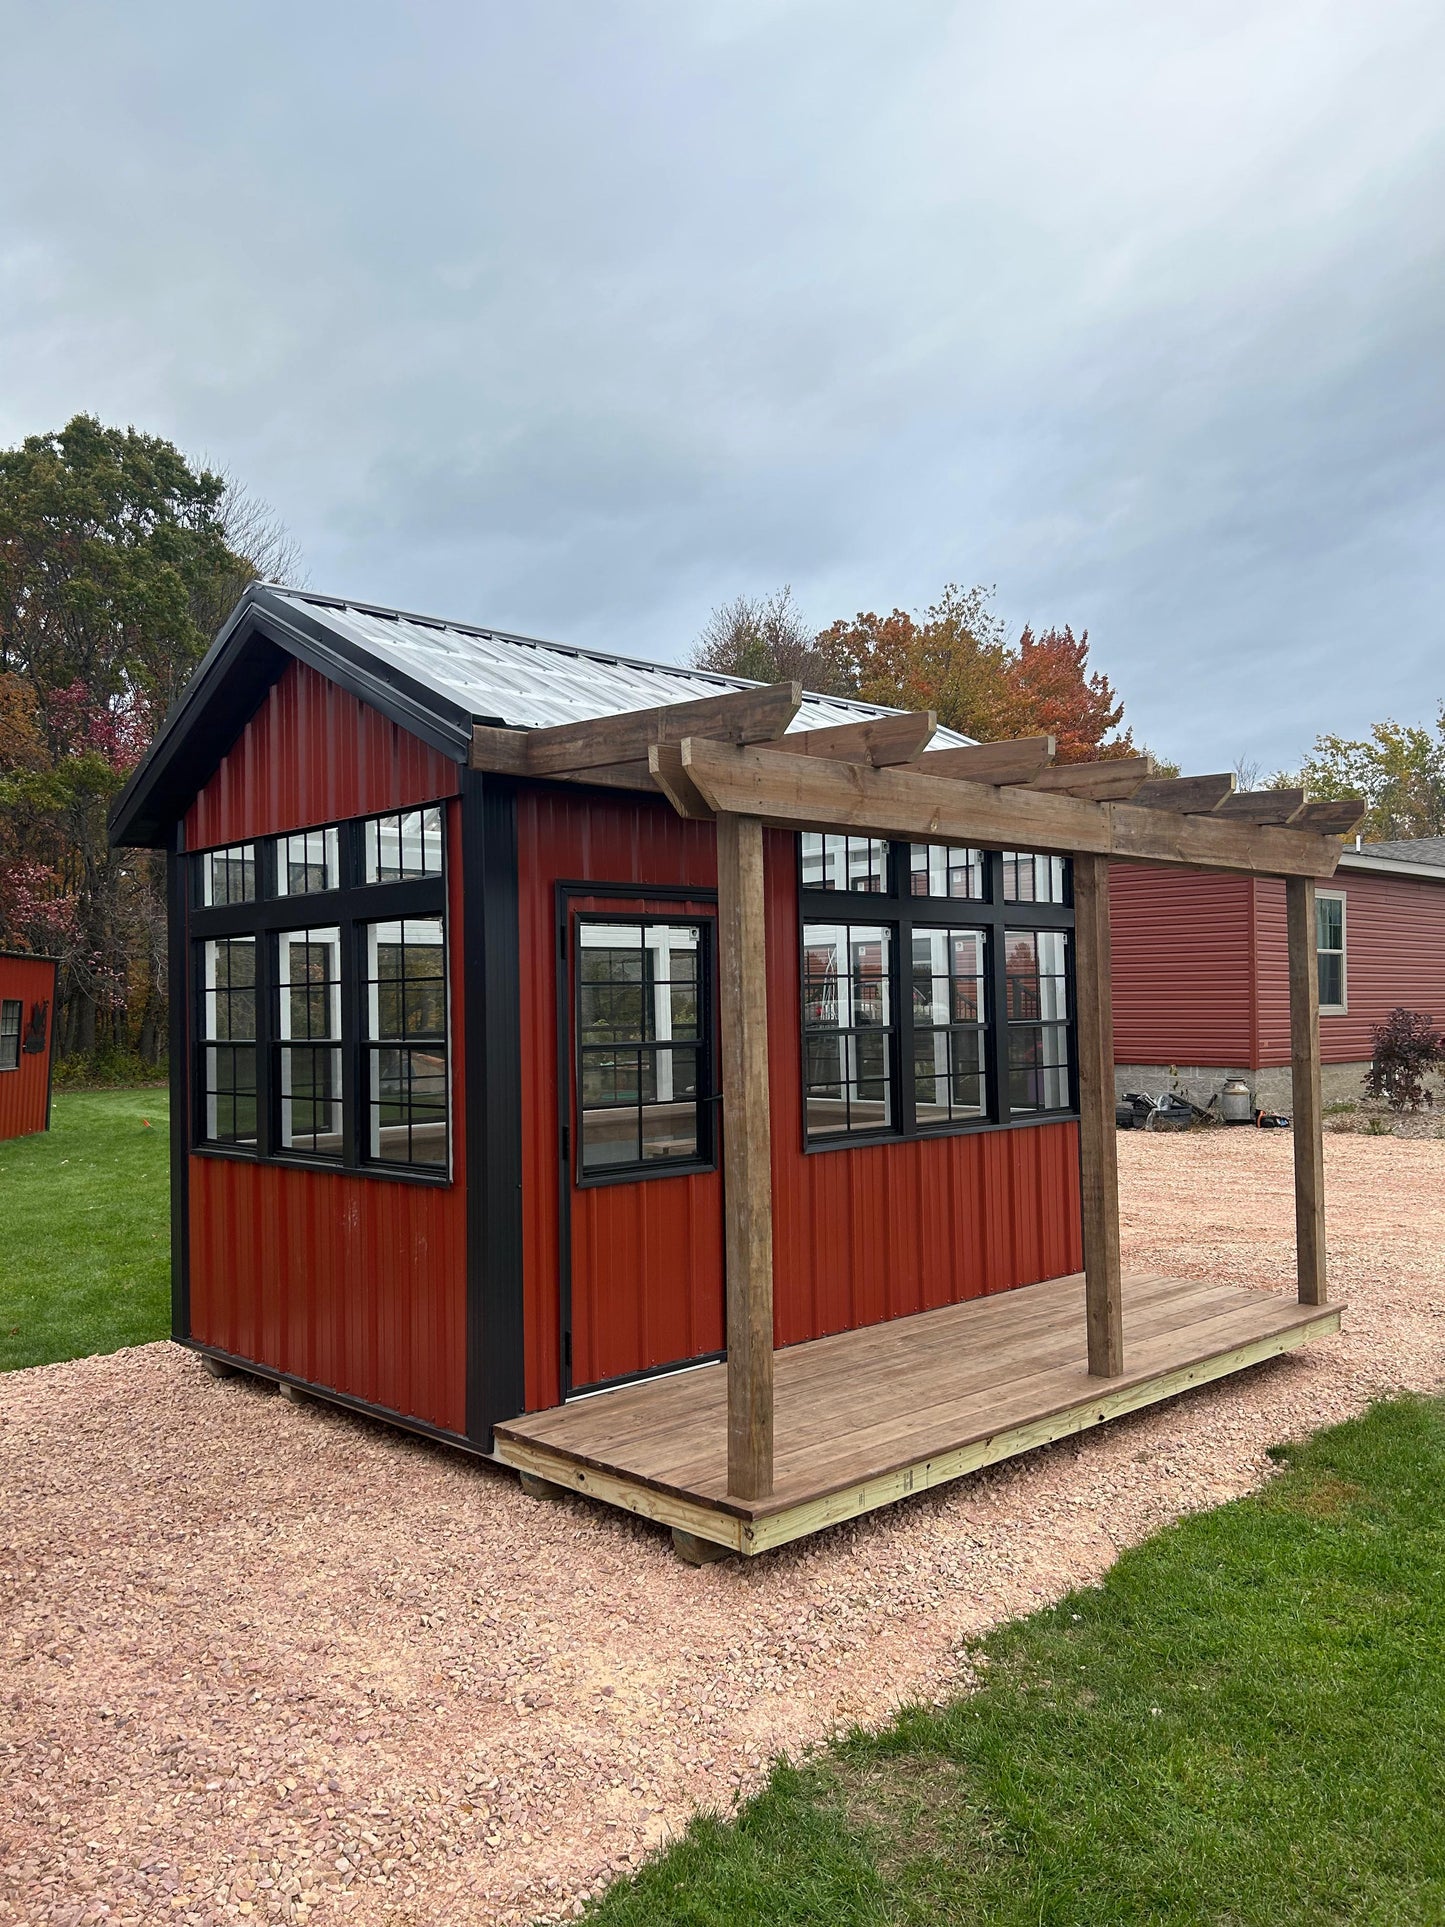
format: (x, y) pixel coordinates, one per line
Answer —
(866, 1415)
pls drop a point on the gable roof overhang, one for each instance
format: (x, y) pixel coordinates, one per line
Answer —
(264, 633)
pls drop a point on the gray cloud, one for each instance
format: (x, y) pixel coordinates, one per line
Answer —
(579, 319)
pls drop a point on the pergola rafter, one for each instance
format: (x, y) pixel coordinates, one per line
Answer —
(732, 758)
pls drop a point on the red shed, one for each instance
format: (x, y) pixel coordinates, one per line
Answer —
(27, 1032)
(557, 1038)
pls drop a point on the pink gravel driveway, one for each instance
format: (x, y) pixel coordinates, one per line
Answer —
(270, 1662)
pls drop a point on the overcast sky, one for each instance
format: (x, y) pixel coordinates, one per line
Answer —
(581, 318)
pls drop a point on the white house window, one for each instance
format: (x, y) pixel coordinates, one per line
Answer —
(1330, 949)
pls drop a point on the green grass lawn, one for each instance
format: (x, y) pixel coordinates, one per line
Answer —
(1244, 1723)
(85, 1262)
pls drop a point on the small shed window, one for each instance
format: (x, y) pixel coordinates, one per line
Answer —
(1330, 950)
(1037, 990)
(403, 847)
(308, 862)
(1029, 878)
(308, 990)
(945, 870)
(228, 876)
(644, 1052)
(228, 1030)
(847, 1021)
(950, 1067)
(844, 863)
(406, 1032)
(11, 1012)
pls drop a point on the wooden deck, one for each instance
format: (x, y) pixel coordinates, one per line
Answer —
(866, 1417)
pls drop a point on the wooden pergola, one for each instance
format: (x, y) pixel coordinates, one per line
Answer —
(730, 759)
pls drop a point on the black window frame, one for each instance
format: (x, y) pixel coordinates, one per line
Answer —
(898, 909)
(7, 1004)
(709, 1089)
(351, 906)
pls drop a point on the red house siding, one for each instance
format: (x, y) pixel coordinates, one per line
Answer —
(25, 1092)
(860, 1236)
(1184, 966)
(1394, 954)
(354, 1283)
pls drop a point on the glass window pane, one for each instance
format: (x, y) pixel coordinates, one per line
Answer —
(404, 846)
(847, 1017)
(228, 876)
(1332, 978)
(858, 863)
(308, 862)
(945, 870)
(406, 1015)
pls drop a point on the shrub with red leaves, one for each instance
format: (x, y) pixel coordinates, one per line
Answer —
(1406, 1048)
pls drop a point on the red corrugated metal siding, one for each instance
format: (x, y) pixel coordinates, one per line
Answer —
(25, 1093)
(1183, 975)
(1394, 955)
(313, 754)
(568, 836)
(866, 1235)
(354, 1283)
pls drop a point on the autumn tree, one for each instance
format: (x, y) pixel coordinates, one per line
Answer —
(953, 659)
(1054, 693)
(118, 558)
(1399, 768)
(767, 639)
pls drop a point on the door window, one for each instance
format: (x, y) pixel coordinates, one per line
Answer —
(644, 1055)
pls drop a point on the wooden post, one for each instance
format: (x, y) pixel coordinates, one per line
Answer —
(1098, 1153)
(1304, 1038)
(747, 1155)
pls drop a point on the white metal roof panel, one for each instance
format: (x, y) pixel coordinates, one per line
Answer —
(527, 683)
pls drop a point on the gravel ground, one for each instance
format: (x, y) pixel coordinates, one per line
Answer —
(271, 1662)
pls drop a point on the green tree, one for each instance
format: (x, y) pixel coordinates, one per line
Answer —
(118, 558)
(1398, 768)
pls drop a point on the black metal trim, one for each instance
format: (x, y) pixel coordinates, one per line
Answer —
(491, 1090)
(363, 1407)
(179, 1027)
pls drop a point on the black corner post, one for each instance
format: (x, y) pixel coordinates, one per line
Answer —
(178, 1051)
(492, 1094)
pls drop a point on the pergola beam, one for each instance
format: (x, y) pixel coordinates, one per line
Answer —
(1111, 781)
(813, 793)
(880, 740)
(1199, 794)
(1019, 761)
(737, 716)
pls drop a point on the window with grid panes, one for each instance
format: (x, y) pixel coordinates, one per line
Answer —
(12, 1012)
(643, 1041)
(406, 1032)
(321, 1034)
(935, 985)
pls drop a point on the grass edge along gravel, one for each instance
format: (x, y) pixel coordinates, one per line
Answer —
(85, 1219)
(1245, 1722)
